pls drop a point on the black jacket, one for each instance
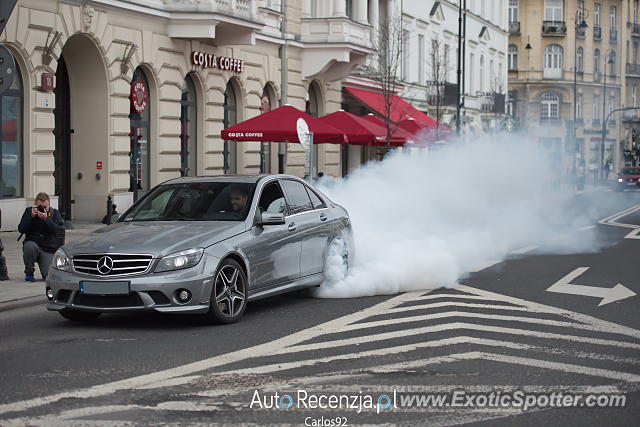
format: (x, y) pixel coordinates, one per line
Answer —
(43, 232)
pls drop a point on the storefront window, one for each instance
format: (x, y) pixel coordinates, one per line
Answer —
(230, 119)
(188, 134)
(11, 149)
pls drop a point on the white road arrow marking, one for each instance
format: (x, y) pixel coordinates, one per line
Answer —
(564, 286)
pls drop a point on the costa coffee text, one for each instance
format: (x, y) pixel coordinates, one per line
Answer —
(207, 60)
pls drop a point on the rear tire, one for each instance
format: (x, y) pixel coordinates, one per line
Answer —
(228, 294)
(79, 316)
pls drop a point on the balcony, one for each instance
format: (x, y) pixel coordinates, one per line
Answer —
(514, 28)
(225, 21)
(634, 28)
(334, 46)
(597, 33)
(613, 35)
(595, 123)
(552, 73)
(633, 69)
(447, 96)
(554, 28)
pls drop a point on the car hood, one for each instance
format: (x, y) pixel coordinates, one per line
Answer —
(157, 238)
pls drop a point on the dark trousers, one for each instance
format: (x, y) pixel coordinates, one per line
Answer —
(32, 253)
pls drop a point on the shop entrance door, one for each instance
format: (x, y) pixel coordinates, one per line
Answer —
(62, 132)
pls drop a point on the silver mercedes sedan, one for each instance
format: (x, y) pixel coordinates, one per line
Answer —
(204, 245)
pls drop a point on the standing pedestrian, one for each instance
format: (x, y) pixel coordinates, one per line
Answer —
(42, 226)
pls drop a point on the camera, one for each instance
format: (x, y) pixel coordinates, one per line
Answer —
(41, 208)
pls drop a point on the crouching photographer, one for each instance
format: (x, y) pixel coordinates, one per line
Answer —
(43, 227)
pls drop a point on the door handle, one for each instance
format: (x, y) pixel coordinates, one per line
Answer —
(293, 226)
(323, 217)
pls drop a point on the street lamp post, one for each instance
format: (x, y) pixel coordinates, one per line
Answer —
(604, 109)
(580, 24)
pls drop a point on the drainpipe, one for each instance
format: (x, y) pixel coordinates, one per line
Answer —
(282, 147)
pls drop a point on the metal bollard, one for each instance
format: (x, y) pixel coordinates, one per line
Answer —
(109, 209)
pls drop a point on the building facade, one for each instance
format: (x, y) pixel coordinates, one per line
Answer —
(566, 64)
(113, 97)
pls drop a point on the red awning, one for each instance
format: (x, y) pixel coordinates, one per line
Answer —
(280, 125)
(400, 109)
(396, 130)
(360, 131)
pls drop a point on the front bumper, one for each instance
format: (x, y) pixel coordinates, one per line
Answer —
(156, 292)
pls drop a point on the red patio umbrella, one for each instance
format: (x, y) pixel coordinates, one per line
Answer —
(424, 133)
(360, 131)
(397, 131)
(280, 125)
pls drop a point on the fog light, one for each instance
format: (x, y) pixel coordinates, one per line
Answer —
(183, 295)
(50, 294)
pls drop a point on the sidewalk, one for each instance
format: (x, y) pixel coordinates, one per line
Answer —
(16, 291)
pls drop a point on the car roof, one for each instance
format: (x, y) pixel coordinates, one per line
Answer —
(244, 179)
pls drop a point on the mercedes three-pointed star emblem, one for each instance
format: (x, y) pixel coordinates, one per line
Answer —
(105, 264)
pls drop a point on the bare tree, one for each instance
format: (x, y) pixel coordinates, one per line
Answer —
(439, 67)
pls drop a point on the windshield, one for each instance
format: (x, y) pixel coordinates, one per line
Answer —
(631, 171)
(201, 201)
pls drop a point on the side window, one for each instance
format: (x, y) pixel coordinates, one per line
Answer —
(272, 200)
(316, 200)
(297, 197)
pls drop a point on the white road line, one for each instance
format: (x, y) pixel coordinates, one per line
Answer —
(366, 339)
(588, 227)
(455, 304)
(202, 365)
(400, 320)
(452, 296)
(613, 221)
(525, 250)
(545, 364)
(489, 264)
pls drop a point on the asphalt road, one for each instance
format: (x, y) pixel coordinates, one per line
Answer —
(500, 331)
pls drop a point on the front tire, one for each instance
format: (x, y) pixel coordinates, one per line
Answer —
(228, 294)
(79, 316)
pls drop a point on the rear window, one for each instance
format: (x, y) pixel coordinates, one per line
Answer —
(631, 171)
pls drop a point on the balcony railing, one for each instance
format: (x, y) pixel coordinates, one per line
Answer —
(633, 69)
(597, 33)
(634, 28)
(554, 28)
(514, 28)
(613, 35)
(442, 94)
(595, 123)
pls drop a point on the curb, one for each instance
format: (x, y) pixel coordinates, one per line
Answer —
(22, 302)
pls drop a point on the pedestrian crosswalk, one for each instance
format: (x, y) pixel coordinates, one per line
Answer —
(417, 342)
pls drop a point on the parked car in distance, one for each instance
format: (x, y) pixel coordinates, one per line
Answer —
(629, 177)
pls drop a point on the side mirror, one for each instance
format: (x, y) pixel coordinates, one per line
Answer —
(270, 218)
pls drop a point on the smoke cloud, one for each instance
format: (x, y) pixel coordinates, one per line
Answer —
(423, 220)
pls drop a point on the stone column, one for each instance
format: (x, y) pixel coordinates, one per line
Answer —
(361, 12)
(339, 8)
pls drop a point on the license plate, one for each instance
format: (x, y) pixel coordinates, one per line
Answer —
(104, 288)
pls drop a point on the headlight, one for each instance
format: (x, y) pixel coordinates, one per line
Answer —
(179, 260)
(61, 261)
(620, 180)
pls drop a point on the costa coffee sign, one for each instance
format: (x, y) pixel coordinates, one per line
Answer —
(207, 60)
(138, 97)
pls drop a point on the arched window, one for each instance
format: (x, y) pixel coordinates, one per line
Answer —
(142, 176)
(553, 56)
(612, 62)
(513, 57)
(580, 60)
(550, 107)
(481, 73)
(188, 129)
(11, 106)
(230, 119)
(596, 61)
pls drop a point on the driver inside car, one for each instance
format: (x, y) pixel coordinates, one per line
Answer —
(238, 197)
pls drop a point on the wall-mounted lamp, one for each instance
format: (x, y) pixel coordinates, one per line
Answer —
(125, 62)
(53, 38)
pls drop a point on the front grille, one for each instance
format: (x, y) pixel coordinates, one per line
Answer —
(120, 264)
(159, 298)
(109, 301)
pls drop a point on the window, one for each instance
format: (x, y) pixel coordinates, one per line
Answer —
(553, 10)
(612, 17)
(272, 199)
(481, 73)
(315, 199)
(405, 55)
(553, 56)
(446, 62)
(550, 107)
(188, 128)
(421, 58)
(634, 96)
(297, 197)
(11, 105)
(595, 112)
(512, 57)
(580, 60)
(579, 108)
(611, 62)
(472, 66)
(230, 107)
(596, 61)
(349, 8)
(596, 15)
(635, 52)
(635, 11)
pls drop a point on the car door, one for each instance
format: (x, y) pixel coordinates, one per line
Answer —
(311, 224)
(275, 253)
